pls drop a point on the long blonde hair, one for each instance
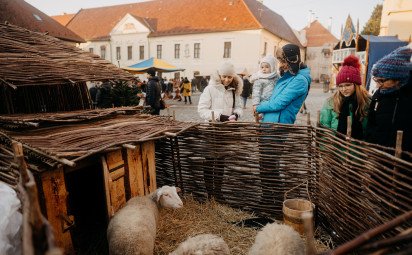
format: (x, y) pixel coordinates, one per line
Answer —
(362, 97)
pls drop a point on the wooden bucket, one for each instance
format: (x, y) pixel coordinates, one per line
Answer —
(293, 210)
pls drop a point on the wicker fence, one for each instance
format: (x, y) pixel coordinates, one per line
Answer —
(355, 186)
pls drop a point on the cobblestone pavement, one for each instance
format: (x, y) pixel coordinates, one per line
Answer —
(188, 112)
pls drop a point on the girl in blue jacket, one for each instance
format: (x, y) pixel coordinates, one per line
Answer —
(291, 89)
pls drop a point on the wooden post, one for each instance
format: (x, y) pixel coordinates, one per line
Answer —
(398, 154)
(308, 119)
(168, 113)
(174, 115)
(213, 116)
(349, 127)
(37, 236)
(318, 118)
(366, 63)
(55, 194)
(308, 225)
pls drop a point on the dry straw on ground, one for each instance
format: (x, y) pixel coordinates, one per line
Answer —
(210, 217)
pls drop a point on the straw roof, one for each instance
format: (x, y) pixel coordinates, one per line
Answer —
(90, 133)
(31, 58)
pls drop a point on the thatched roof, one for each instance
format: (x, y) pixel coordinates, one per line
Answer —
(70, 137)
(31, 58)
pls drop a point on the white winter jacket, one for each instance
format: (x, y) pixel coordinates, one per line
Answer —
(219, 100)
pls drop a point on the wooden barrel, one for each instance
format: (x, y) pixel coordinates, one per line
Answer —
(292, 213)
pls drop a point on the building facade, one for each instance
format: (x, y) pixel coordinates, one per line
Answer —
(397, 19)
(320, 43)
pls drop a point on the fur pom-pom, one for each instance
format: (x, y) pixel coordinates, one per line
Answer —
(352, 61)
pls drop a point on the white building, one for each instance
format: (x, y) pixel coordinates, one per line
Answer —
(319, 47)
(191, 34)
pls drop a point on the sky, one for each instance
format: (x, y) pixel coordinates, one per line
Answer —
(295, 12)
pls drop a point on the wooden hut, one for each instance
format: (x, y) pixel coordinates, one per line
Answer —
(39, 73)
(87, 163)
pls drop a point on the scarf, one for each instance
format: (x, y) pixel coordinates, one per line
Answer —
(260, 75)
(349, 106)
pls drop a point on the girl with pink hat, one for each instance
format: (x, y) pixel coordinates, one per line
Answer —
(350, 99)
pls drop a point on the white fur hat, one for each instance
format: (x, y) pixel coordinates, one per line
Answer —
(226, 68)
(271, 61)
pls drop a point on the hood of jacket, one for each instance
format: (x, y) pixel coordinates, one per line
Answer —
(305, 72)
(215, 81)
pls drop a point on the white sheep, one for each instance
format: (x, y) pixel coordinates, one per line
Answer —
(277, 239)
(132, 230)
(203, 244)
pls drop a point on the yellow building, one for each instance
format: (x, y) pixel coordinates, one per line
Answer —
(397, 19)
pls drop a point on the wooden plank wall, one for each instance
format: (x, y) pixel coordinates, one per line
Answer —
(129, 174)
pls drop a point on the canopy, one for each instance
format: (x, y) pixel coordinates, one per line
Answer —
(158, 64)
(379, 46)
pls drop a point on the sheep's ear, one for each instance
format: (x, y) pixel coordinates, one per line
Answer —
(178, 190)
(159, 194)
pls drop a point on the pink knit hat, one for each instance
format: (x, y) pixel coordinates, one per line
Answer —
(350, 71)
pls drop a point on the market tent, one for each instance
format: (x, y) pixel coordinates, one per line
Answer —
(379, 46)
(158, 64)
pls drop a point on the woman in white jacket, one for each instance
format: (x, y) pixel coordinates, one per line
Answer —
(222, 95)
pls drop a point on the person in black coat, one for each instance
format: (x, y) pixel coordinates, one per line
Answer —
(93, 93)
(247, 90)
(390, 109)
(104, 96)
(154, 92)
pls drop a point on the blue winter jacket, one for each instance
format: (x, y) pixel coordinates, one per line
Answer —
(287, 98)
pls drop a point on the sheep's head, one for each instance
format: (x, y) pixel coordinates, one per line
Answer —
(167, 197)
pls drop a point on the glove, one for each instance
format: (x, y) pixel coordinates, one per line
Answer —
(223, 118)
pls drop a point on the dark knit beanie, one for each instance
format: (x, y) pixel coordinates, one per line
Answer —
(350, 71)
(291, 53)
(396, 65)
(151, 72)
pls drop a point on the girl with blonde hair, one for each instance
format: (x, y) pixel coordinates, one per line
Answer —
(350, 99)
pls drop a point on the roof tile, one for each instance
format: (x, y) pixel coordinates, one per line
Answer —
(317, 35)
(22, 14)
(174, 17)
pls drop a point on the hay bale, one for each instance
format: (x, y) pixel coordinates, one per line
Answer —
(210, 217)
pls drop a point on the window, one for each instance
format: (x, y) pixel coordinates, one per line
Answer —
(118, 56)
(91, 50)
(196, 51)
(159, 51)
(103, 52)
(227, 50)
(141, 52)
(129, 52)
(177, 51)
(265, 48)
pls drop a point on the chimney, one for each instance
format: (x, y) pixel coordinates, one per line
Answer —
(330, 24)
(311, 17)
